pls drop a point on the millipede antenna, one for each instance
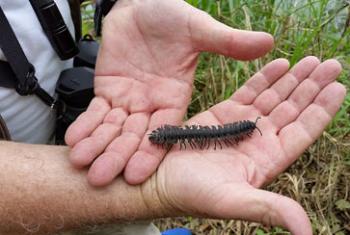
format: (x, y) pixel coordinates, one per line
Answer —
(256, 121)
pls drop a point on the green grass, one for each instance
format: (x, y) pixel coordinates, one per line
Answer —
(320, 180)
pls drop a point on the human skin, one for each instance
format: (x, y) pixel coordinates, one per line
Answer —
(40, 187)
(144, 78)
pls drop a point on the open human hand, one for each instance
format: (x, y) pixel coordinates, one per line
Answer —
(144, 77)
(295, 107)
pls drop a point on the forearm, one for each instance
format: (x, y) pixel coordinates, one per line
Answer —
(40, 190)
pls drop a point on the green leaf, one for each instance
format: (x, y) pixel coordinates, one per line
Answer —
(340, 233)
(343, 204)
(260, 232)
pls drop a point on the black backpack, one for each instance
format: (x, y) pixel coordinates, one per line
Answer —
(75, 86)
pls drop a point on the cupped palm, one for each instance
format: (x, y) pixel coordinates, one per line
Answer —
(295, 107)
(144, 78)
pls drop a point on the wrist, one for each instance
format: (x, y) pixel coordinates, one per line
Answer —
(156, 198)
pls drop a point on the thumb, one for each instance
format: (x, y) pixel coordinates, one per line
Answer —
(265, 207)
(210, 35)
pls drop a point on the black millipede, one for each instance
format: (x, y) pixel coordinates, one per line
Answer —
(197, 136)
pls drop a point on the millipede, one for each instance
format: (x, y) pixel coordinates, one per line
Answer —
(197, 136)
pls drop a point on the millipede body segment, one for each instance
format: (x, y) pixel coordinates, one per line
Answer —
(197, 136)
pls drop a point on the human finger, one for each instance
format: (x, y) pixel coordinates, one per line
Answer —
(208, 34)
(146, 160)
(268, 208)
(260, 81)
(301, 133)
(88, 121)
(85, 151)
(107, 166)
(283, 87)
(305, 94)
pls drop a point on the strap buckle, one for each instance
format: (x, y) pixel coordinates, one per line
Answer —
(30, 83)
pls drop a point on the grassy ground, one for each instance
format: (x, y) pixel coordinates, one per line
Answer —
(320, 180)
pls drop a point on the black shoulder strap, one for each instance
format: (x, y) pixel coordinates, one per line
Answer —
(26, 82)
(75, 12)
(6, 72)
(102, 9)
(55, 28)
